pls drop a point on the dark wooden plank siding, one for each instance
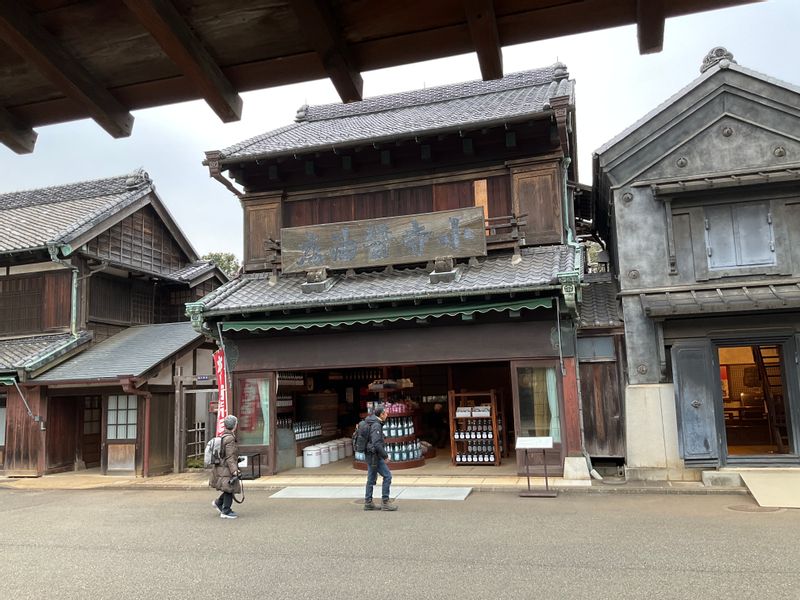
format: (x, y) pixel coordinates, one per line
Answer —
(454, 194)
(62, 433)
(24, 440)
(103, 331)
(110, 299)
(162, 434)
(499, 192)
(601, 397)
(140, 241)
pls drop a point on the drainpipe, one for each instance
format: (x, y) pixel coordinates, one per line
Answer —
(73, 318)
(575, 277)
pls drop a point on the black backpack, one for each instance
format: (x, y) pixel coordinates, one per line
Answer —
(361, 437)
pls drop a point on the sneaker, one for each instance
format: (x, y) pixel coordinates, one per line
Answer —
(370, 506)
(228, 515)
(215, 505)
(388, 505)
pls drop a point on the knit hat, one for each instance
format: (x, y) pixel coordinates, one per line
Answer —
(230, 422)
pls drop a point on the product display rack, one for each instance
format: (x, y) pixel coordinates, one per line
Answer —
(474, 437)
(407, 440)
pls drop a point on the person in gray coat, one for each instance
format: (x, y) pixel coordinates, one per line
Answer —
(377, 457)
(225, 476)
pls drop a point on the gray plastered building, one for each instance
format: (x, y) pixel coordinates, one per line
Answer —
(700, 203)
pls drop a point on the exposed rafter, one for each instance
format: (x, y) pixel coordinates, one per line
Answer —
(34, 43)
(15, 135)
(650, 15)
(483, 30)
(176, 39)
(322, 32)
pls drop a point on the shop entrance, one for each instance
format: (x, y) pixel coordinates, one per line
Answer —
(314, 408)
(755, 400)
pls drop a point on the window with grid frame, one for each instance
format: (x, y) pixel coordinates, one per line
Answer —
(122, 417)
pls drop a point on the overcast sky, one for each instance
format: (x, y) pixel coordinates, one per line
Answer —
(614, 87)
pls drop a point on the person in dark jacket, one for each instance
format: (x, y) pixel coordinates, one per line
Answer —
(377, 457)
(225, 476)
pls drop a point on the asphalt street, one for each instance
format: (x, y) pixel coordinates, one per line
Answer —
(171, 544)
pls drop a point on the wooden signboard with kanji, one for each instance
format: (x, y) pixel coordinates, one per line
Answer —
(400, 240)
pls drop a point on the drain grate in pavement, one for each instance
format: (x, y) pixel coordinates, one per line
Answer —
(753, 508)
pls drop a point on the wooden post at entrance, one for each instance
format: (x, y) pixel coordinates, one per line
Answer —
(180, 404)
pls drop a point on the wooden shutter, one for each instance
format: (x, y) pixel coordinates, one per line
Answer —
(696, 378)
(537, 194)
(261, 221)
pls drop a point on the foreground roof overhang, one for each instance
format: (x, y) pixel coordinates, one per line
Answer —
(66, 61)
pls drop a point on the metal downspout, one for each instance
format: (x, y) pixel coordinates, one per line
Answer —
(571, 242)
(73, 317)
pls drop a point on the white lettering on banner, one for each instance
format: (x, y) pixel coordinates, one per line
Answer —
(222, 386)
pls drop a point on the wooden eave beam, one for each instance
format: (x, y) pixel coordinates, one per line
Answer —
(15, 135)
(483, 30)
(650, 16)
(170, 31)
(35, 44)
(317, 22)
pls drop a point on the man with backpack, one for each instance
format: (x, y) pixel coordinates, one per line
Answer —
(225, 470)
(377, 457)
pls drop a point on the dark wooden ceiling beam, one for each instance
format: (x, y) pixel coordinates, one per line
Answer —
(650, 16)
(35, 44)
(483, 29)
(161, 19)
(15, 135)
(322, 32)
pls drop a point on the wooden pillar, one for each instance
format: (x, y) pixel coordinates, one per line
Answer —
(571, 420)
(177, 453)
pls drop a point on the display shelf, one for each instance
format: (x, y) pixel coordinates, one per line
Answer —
(401, 439)
(394, 465)
(468, 411)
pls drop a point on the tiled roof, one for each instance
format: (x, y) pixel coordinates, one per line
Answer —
(26, 352)
(698, 301)
(599, 304)
(474, 103)
(33, 218)
(193, 271)
(537, 269)
(133, 351)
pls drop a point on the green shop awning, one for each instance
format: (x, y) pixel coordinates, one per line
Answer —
(382, 315)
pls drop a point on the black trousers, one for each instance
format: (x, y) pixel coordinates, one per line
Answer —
(225, 500)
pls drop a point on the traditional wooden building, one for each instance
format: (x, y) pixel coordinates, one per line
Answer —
(80, 263)
(408, 246)
(700, 201)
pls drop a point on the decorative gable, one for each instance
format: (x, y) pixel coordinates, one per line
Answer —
(729, 143)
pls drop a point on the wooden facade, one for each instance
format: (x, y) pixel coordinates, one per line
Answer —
(119, 275)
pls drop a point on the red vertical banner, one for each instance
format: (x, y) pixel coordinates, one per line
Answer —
(222, 386)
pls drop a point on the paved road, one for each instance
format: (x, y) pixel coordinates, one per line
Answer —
(168, 544)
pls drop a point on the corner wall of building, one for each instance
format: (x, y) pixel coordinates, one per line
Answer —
(652, 435)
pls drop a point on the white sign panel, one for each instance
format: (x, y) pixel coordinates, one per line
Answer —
(530, 443)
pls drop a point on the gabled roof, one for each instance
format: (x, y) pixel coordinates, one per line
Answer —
(658, 117)
(198, 271)
(537, 270)
(32, 352)
(131, 352)
(63, 215)
(514, 97)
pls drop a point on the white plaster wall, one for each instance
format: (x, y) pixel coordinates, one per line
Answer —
(185, 361)
(205, 364)
(652, 434)
(164, 377)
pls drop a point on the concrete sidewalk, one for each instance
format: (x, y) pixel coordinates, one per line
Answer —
(84, 480)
